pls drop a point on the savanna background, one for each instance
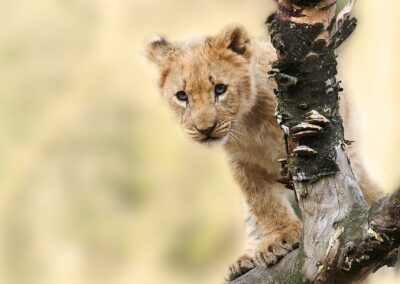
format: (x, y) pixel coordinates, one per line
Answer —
(97, 182)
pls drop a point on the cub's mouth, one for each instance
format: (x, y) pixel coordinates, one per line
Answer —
(214, 139)
(211, 139)
(216, 134)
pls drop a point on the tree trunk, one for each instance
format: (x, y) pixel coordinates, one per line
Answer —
(343, 240)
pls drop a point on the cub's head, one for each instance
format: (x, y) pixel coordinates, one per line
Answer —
(207, 81)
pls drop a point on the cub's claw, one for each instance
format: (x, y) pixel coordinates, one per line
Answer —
(276, 247)
(270, 251)
(243, 265)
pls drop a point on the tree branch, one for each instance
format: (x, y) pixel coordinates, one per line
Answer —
(347, 243)
(343, 240)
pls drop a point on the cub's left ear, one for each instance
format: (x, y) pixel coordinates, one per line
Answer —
(234, 38)
(158, 50)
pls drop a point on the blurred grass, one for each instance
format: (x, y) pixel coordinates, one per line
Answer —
(98, 184)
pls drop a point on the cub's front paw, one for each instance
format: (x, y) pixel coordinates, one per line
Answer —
(276, 246)
(244, 264)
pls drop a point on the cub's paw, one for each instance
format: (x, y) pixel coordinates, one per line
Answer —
(275, 247)
(244, 264)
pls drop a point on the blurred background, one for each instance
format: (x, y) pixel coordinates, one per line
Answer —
(98, 184)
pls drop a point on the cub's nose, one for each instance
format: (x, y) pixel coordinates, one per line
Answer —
(207, 130)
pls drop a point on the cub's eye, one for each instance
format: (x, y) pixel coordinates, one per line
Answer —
(219, 89)
(182, 96)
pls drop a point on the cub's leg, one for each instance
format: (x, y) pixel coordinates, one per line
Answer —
(371, 191)
(273, 229)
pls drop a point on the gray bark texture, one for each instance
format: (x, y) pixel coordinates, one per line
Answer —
(343, 240)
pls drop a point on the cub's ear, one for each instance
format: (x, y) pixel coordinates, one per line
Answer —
(158, 50)
(234, 38)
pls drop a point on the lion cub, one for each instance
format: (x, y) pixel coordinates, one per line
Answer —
(219, 89)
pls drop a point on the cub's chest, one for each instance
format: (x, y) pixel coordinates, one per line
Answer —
(263, 152)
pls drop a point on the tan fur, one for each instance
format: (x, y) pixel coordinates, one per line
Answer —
(245, 123)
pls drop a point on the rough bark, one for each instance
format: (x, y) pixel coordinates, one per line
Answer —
(343, 240)
(362, 244)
